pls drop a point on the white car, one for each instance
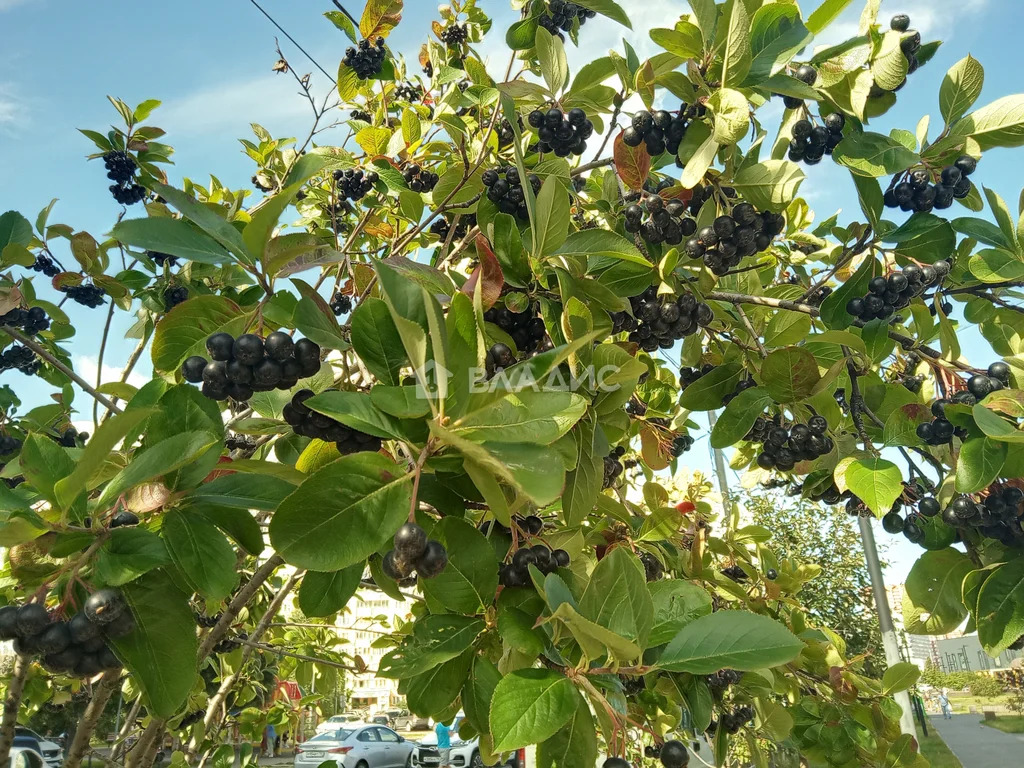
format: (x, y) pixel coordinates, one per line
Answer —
(465, 754)
(26, 757)
(357, 745)
(338, 721)
(51, 751)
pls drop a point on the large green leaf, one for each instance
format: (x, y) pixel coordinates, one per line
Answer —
(203, 555)
(356, 410)
(164, 457)
(244, 491)
(789, 374)
(777, 35)
(434, 691)
(127, 554)
(999, 124)
(739, 416)
(676, 604)
(617, 598)
(552, 225)
(376, 340)
(207, 218)
(355, 503)
(468, 583)
(981, 459)
(827, 12)
(478, 692)
(608, 8)
(874, 154)
(160, 653)
(530, 416)
(530, 706)
(899, 677)
(435, 639)
(574, 745)
(769, 185)
(875, 481)
(237, 523)
(961, 87)
(184, 330)
(1001, 607)
(324, 594)
(734, 639)
(932, 603)
(174, 236)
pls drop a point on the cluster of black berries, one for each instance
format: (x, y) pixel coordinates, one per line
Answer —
(86, 294)
(917, 192)
(736, 573)
(162, 258)
(526, 328)
(240, 442)
(175, 295)
(560, 17)
(341, 304)
(688, 375)
(911, 525)
(910, 44)
(783, 447)
(681, 444)
(353, 183)
(731, 722)
(940, 430)
(366, 61)
(191, 719)
(505, 190)
(239, 367)
(912, 382)
(121, 169)
(997, 516)
(661, 130)
(309, 423)
(44, 264)
(442, 226)
(76, 647)
(71, 438)
(653, 569)
(228, 644)
(206, 622)
(658, 322)
(665, 222)
(517, 573)
(613, 466)
(702, 194)
(454, 35)
(806, 74)
(563, 134)
(408, 92)
(414, 552)
(722, 679)
(995, 378)
(22, 358)
(741, 386)
(359, 114)
(506, 134)
(499, 357)
(888, 294)
(419, 179)
(731, 238)
(830, 495)
(9, 444)
(812, 142)
(31, 321)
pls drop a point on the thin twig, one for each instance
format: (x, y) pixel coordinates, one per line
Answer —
(844, 258)
(750, 329)
(101, 693)
(327, 74)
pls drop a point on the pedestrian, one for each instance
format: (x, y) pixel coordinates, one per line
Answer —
(947, 710)
(270, 735)
(444, 744)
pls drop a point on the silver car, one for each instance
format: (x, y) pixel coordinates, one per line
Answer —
(356, 745)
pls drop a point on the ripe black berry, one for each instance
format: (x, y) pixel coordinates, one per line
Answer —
(104, 606)
(32, 619)
(366, 60)
(433, 560)
(410, 541)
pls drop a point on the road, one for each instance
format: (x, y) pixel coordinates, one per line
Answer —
(978, 746)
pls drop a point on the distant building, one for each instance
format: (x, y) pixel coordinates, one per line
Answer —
(965, 654)
(370, 614)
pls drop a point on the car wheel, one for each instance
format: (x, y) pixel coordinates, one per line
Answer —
(408, 760)
(362, 764)
(476, 761)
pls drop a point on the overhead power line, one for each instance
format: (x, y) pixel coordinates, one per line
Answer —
(294, 42)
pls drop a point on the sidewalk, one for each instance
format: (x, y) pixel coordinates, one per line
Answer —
(977, 746)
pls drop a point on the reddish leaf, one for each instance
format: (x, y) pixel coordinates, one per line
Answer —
(633, 164)
(487, 273)
(676, 193)
(424, 54)
(380, 17)
(63, 280)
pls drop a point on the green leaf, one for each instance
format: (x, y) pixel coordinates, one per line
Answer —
(707, 392)
(380, 17)
(739, 416)
(984, 231)
(530, 416)
(995, 426)
(530, 706)
(376, 340)
(999, 124)
(574, 745)
(732, 114)
(981, 459)
(769, 185)
(478, 692)
(317, 326)
(699, 162)
(14, 229)
(238, 524)
(202, 554)
(676, 604)
(184, 330)
(901, 426)
(825, 14)
(684, 42)
(356, 502)
(789, 374)
(128, 554)
(608, 8)
(735, 639)
(174, 236)
(889, 65)
(552, 223)
(244, 491)
(435, 640)
(434, 691)
(356, 410)
(874, 154)
(583, 484)
(737, 55)
(164, 457)
(553, 65)
(468, 583)
(960, 88)
(899, 677)
(324, 594)
(206, 218)
(777, 35)
(875, 481)
(617, 598)
(1001, 607)
(932, 603)
(833, 309)
(160, 654)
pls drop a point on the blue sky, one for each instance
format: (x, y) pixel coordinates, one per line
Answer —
(210, 64)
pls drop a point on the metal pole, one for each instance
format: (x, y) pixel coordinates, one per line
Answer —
(723, 482)
(889, 641)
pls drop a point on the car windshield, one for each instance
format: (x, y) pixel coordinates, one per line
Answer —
(337, 735)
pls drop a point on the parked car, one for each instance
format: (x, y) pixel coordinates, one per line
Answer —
(411, 722)
(335, 722)
(362, 746)
(465, 754)
(25, 755)
(52, 753)
(381, 718)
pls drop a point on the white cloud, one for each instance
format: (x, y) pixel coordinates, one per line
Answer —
(6, 5)
(12, 109)
(85, 366)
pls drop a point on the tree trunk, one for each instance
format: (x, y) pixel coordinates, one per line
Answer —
(126, 728)
(87, 725)
(15, 687)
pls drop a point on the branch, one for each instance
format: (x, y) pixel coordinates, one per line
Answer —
(87, 725)
(239, 601)
(750, 329)
(591, 166)
(43, 353)
(844, 258)
(856, 401)
(15, 687)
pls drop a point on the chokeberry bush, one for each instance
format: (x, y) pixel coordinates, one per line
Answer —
(448, 358)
